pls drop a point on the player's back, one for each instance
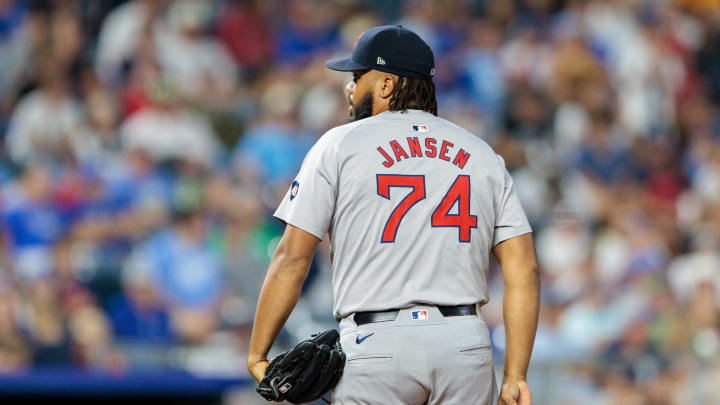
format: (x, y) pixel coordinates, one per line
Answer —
(417, 201)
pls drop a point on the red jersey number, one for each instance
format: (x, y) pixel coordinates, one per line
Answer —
(458, 193)
(384, 182)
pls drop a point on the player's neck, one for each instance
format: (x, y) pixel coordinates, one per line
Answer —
(379, 108)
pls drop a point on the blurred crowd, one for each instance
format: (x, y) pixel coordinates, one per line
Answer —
(144, 145)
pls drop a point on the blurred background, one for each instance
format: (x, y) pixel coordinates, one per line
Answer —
(144, 145)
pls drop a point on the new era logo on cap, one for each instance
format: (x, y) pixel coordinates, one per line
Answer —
(419, 315)
(380, 61)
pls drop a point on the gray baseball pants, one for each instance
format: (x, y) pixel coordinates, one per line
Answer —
(418, 359)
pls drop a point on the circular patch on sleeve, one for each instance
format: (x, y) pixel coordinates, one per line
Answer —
(294, 189)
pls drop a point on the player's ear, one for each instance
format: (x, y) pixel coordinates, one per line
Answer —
(387, 84)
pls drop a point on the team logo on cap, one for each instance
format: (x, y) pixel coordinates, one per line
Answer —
(419, 315)
(294, 189)
(380, 61)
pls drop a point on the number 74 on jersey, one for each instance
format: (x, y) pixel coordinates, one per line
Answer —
(459, 192)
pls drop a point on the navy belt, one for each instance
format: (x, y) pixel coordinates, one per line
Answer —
(361, 318)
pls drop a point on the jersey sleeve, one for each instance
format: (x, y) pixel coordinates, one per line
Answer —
(510, 219)
(309, 204)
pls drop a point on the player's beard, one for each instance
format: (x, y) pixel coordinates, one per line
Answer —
(363, 108)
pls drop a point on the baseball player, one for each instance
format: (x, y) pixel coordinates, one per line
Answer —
(413, 205)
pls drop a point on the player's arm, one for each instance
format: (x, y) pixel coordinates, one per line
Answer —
(521, 305)
(280, 292)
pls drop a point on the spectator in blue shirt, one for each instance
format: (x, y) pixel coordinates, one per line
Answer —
(273, 147)
(600, 157)
(309, 30)
(30, 221)
(186, 272)
(137, 313)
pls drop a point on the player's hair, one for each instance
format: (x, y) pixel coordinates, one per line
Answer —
(412, 93)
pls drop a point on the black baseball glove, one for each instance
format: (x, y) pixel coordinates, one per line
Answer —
(306, 372)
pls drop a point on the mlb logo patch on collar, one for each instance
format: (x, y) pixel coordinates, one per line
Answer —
(420, 128)
(419, 315)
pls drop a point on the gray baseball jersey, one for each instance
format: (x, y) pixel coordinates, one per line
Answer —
(413, 205)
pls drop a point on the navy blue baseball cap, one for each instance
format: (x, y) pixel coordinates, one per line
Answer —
(392, 49)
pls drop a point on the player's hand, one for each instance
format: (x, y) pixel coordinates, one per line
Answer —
(257, 369)
(514, 392)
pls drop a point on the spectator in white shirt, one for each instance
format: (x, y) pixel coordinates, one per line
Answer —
(45, 122)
